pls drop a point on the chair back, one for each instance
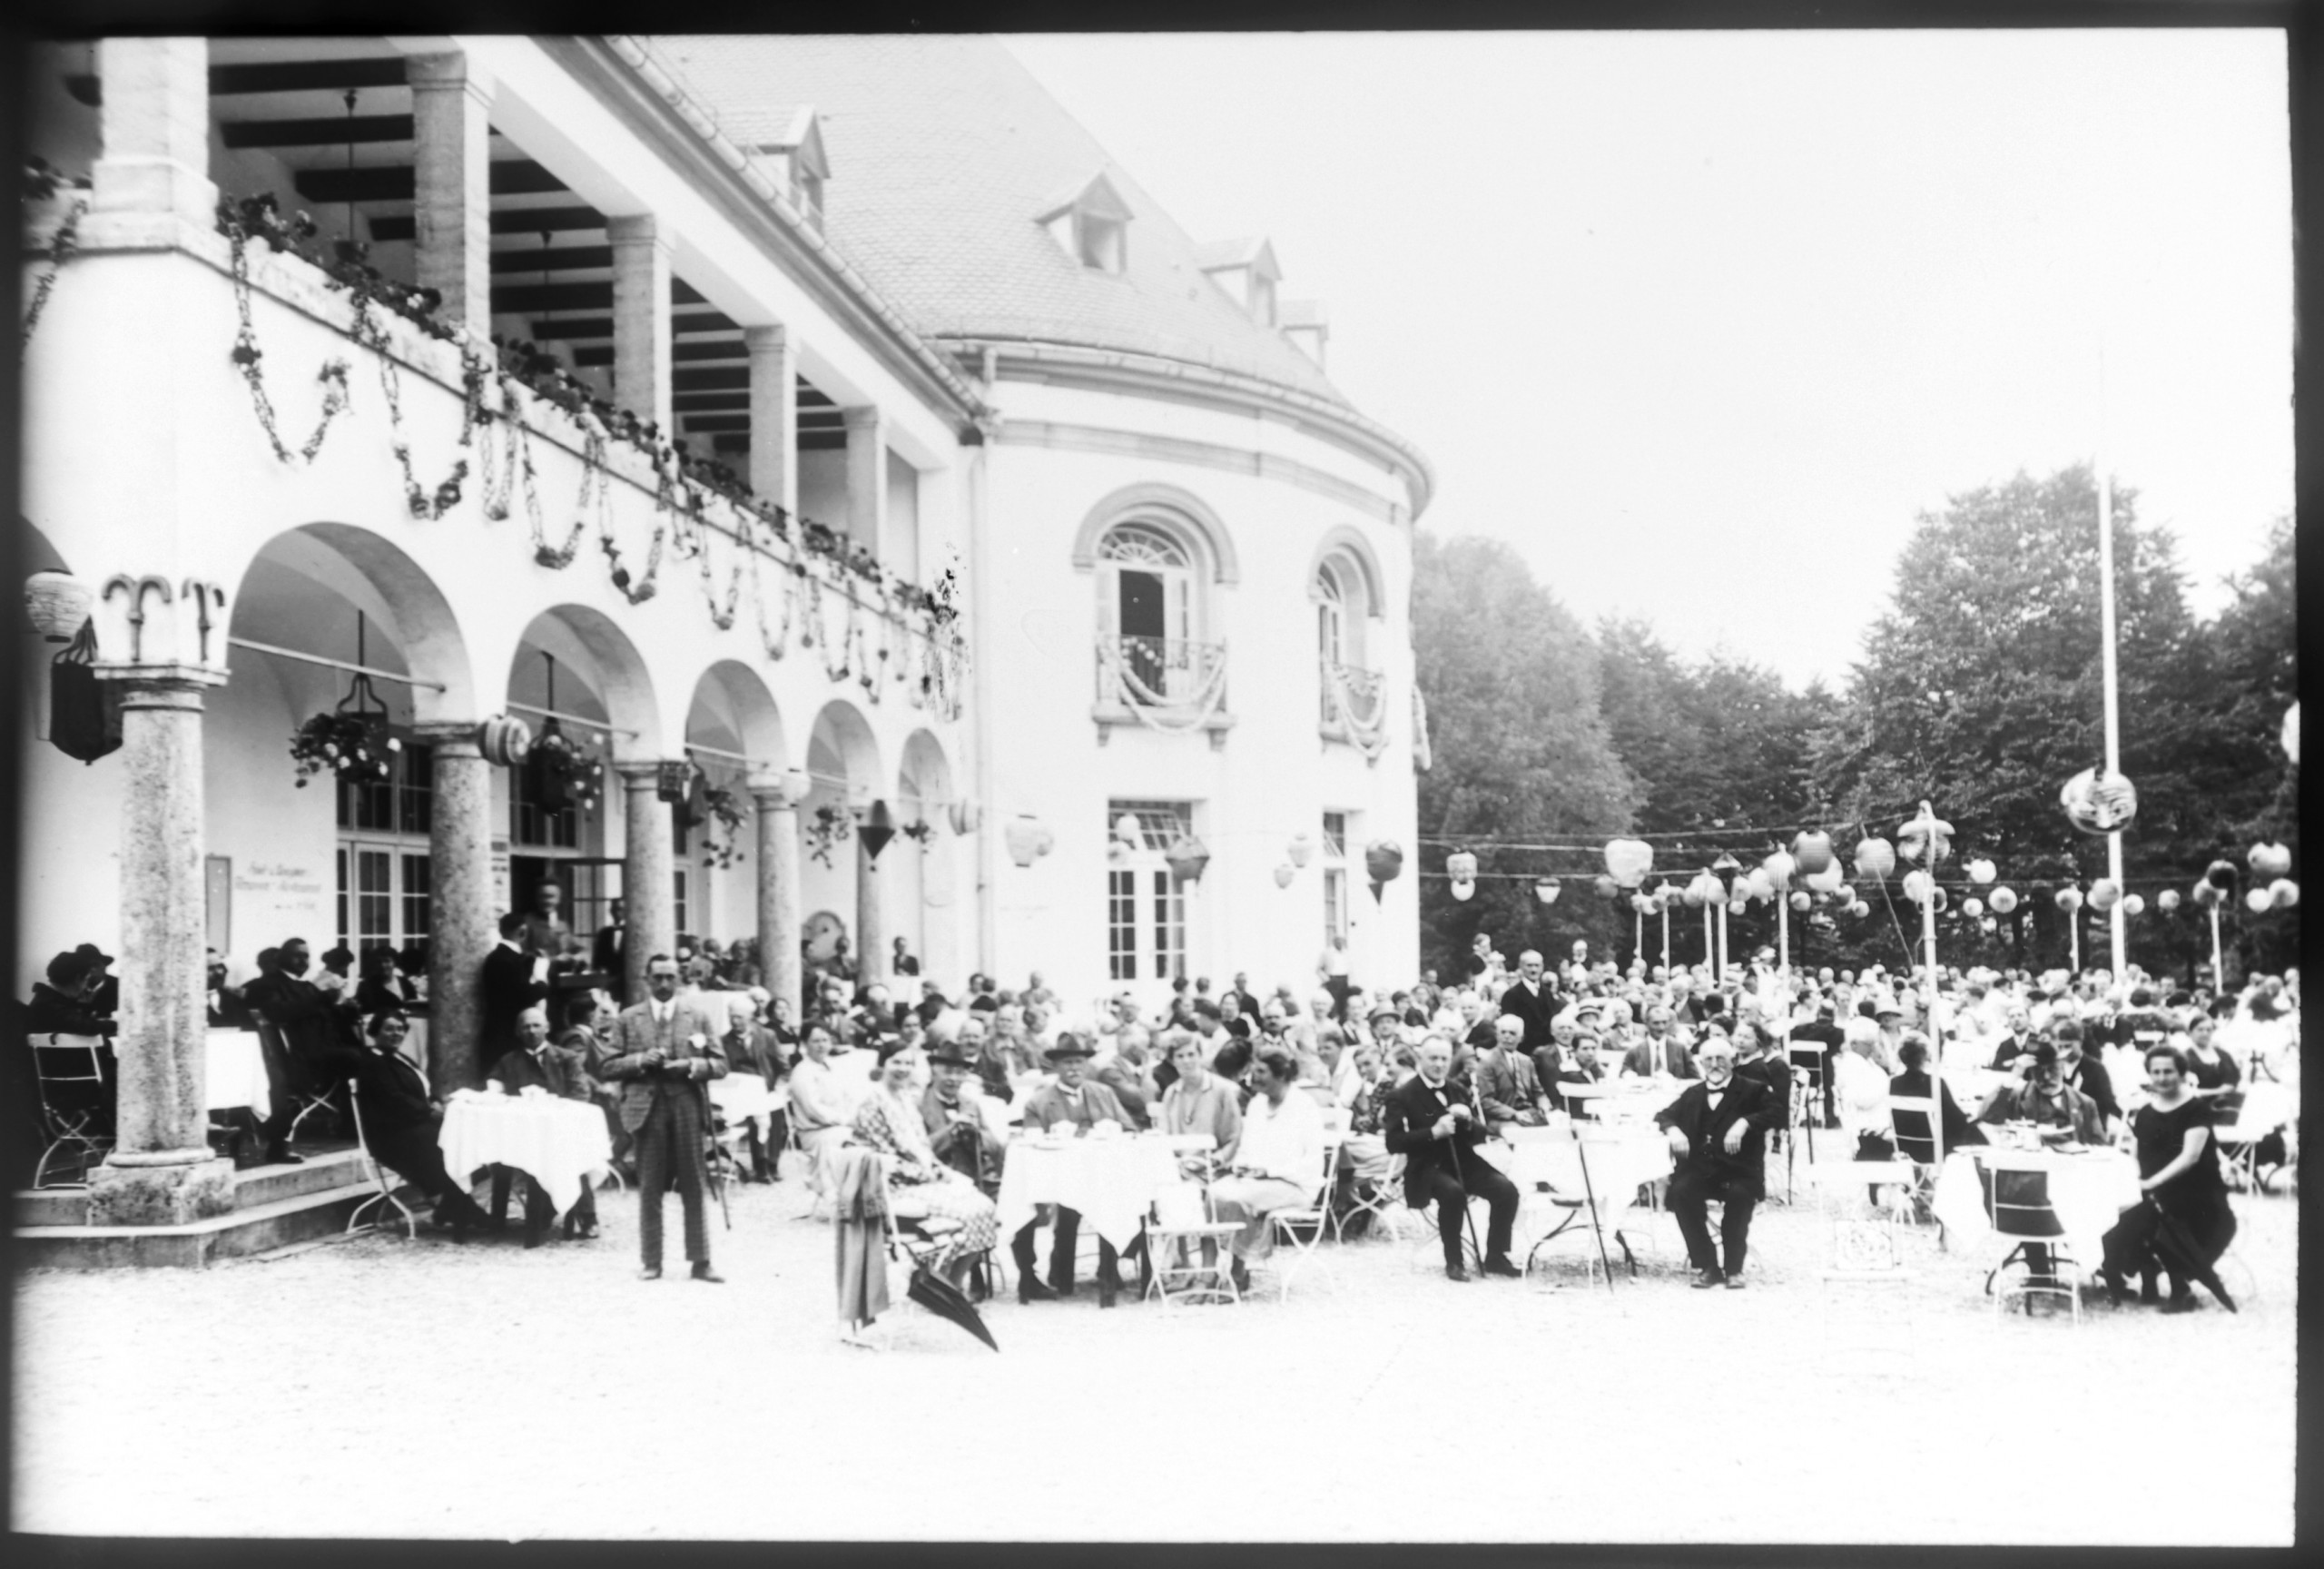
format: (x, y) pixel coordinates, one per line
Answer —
(2017, 1198)
(1581, 1097)
(1912, 1119)
(62, 1059)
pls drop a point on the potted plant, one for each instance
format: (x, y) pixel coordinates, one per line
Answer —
(354, 746)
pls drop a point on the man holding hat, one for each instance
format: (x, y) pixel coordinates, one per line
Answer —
(955, 1129)
(1076, 1105)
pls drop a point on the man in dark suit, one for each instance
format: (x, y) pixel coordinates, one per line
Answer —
(1531, 1000)
(1074, 1104)
(2085, 1072)
(1717, 1129)
(508, 989)
(608, 951)
(2017, 1043)
(1432, 1123)
(400, 1120)
(659, 1052)
(303, 1017)
(535, 1064)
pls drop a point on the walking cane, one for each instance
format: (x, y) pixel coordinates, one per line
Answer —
(1468, 1218)
(1581, 1153)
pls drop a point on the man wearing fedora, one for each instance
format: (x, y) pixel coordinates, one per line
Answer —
(956, 1130)
(1076, 1104)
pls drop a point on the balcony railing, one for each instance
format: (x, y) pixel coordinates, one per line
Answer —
(1355, 706)
(1166, 683)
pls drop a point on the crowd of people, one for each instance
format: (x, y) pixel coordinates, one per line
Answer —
(1415, 1078)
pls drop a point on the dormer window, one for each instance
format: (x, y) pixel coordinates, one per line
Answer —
(1304, 324)
(790, 152)
(1091, 225)
(1247, 269)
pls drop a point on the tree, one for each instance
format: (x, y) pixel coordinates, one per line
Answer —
(1981, 691)
(2252, 649)
(1521, 752)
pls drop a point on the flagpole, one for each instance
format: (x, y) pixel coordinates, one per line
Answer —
(2116, 920)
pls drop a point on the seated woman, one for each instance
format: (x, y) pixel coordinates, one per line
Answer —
(2210, 1070)
(919, 1186)
(1860, 1092)
(1912, 1131)
(2184, 1223)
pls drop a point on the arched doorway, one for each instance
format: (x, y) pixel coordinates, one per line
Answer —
(840, 885)
(926, 896)
(735, 740)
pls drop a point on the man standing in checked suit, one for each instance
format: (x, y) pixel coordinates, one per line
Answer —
(659, 1052)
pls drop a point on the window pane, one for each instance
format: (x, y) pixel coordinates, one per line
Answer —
(1334, 905)
(419, 794)
(1121, 925)
(374, 899)
(1169, 929)
(1335, 836)
(417, 886)
(340, 926)
(678, 897)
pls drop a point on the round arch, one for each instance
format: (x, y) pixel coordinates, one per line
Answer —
(589, 641)
(731, 695)
(387, 586)
(925, 774)
(1182, 512)
(1350, 546)
(844, 746)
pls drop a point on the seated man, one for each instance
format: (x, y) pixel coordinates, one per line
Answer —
(400, 1120)
(534, 1063)
(1431, 1124)
(1660, 1055)
(956, 1131)
(1077, 1105)
(2047, 1100)
(1507, 1085)
(1717, 1130)
(2083, 1073)
(1277, 1162)
(1583, 1068)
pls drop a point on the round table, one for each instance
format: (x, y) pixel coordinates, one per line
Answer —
(1110, 1182)
(558, 1143)
(1622, 1156)
(2089, 1191)
(234, 1073)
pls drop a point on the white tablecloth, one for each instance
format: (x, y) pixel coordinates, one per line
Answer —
(235, 1074)
(558, 1143)
(743, 1096)
(1621, 1158)
(2090, 1191)
(1111, 1181)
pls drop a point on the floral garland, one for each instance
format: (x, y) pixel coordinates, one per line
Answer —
(722, 806)
(368, 333)
(776, 643)
(827, 830)
(41, 184)
(637, 590)
(246, 354)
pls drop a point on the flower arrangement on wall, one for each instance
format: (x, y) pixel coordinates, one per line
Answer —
(354, 747)
(827, 830)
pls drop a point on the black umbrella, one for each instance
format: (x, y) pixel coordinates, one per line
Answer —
(944, 1299)
(2184, 1255)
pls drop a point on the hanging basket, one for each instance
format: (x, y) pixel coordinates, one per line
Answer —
(879, 827)
(84, 713)
(1186, 859)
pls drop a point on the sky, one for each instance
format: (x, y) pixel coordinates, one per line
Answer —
(1701, 323)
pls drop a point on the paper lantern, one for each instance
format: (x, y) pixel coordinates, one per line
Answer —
(1827, 881)
(1918, 886)
(1629, 860)
(2068, 899)
(965, 816)
(1028, 839)
(504, 741)
(1383, 859)
(2256, 901)
(1803, 902)
(1128, 830)
(1605, 885)
(1299, 849)
(2291, 736)
(2003, 899)
(2134, 904)
(2098, 803)
(1779, 866)
(1973, 908)
(879, 827)
(2284, 894)
(1547, 889)
(1814, 851)
(58, 603)
(1981, 871)
(1876, 858)
(1461, 866)
(1757, 885)
(1859, 908)
(2166, 901)
(2104, 894)
(2208, 893)
(1926, 836)
(2220, 874)
(2270, 861)
(1186, 859)
(1117, 853)
(1989, 924)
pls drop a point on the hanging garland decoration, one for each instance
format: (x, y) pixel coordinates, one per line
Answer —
(1190, 713)
(695, 540)
(776, 642)
(42, 183)
(367, 333)
(639, 589)
(1369, 734)
(247, 354)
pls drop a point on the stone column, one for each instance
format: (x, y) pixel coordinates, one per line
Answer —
(451, 109)
(867, 476)
(779, 890)
(873, 959)
(154, 125)
(642, 318)
(463, 925)
(646, 886)
(775, 416)
(160, 1171)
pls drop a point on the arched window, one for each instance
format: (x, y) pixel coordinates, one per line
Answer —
(1350, 689)
(1149, 600)
(1338, 622)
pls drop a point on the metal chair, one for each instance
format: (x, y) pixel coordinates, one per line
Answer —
(308, 1101)
(2016, 1195)
(1180, 1221)
(72, 1083)
(1912, 1124)
(1315, 1215)
(378, 1173)
(1864, 1242)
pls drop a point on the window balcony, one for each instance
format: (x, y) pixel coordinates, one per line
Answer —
(1355, 707)
(1168, 684)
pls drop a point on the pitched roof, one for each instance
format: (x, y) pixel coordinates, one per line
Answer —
(945, 153)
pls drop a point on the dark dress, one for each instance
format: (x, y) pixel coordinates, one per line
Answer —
(2219, 1073)
(2185, 1224)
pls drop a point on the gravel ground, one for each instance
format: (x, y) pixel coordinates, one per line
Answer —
(384, 1387)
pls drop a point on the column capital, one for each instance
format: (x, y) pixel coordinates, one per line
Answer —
(449, 70)
(638, 229)
(778, 795)
(161, 685)
(766, 339)
(453, 737)
(860, 416)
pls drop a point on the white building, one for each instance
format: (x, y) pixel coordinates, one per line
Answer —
(887, 279)
(1194, 601)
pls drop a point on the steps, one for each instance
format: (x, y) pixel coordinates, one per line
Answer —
(274, 1206)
